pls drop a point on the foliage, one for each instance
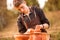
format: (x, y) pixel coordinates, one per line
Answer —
(32, 3)
(53, 5)
(5, 17)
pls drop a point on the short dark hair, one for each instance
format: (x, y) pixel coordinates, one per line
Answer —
(16, 3)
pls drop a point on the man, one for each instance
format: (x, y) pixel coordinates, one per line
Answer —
(32, 17)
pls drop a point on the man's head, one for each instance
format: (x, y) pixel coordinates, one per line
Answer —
(21, 5)
(17, 2)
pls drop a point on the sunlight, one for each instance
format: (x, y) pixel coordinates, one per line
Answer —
(9, 4)
(42, 3)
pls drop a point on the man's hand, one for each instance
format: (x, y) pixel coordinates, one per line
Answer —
(46, 26)
(38, 27)
(29, 31)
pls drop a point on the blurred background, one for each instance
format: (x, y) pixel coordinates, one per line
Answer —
(8, 17)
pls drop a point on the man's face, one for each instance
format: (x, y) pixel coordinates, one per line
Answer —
(23, 8)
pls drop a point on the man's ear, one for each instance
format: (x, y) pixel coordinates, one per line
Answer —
(16, 8)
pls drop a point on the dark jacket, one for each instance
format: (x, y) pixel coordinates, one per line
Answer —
(31, 21)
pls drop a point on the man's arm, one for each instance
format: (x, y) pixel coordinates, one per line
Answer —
(21, 27)
(44, 21)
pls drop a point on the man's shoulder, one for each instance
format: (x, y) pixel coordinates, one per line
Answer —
(36, 8)
(19, 17)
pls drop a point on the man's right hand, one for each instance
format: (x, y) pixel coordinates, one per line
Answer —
(38, 27)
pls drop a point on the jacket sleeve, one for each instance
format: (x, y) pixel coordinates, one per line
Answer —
(43, 18)
(21, 27)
